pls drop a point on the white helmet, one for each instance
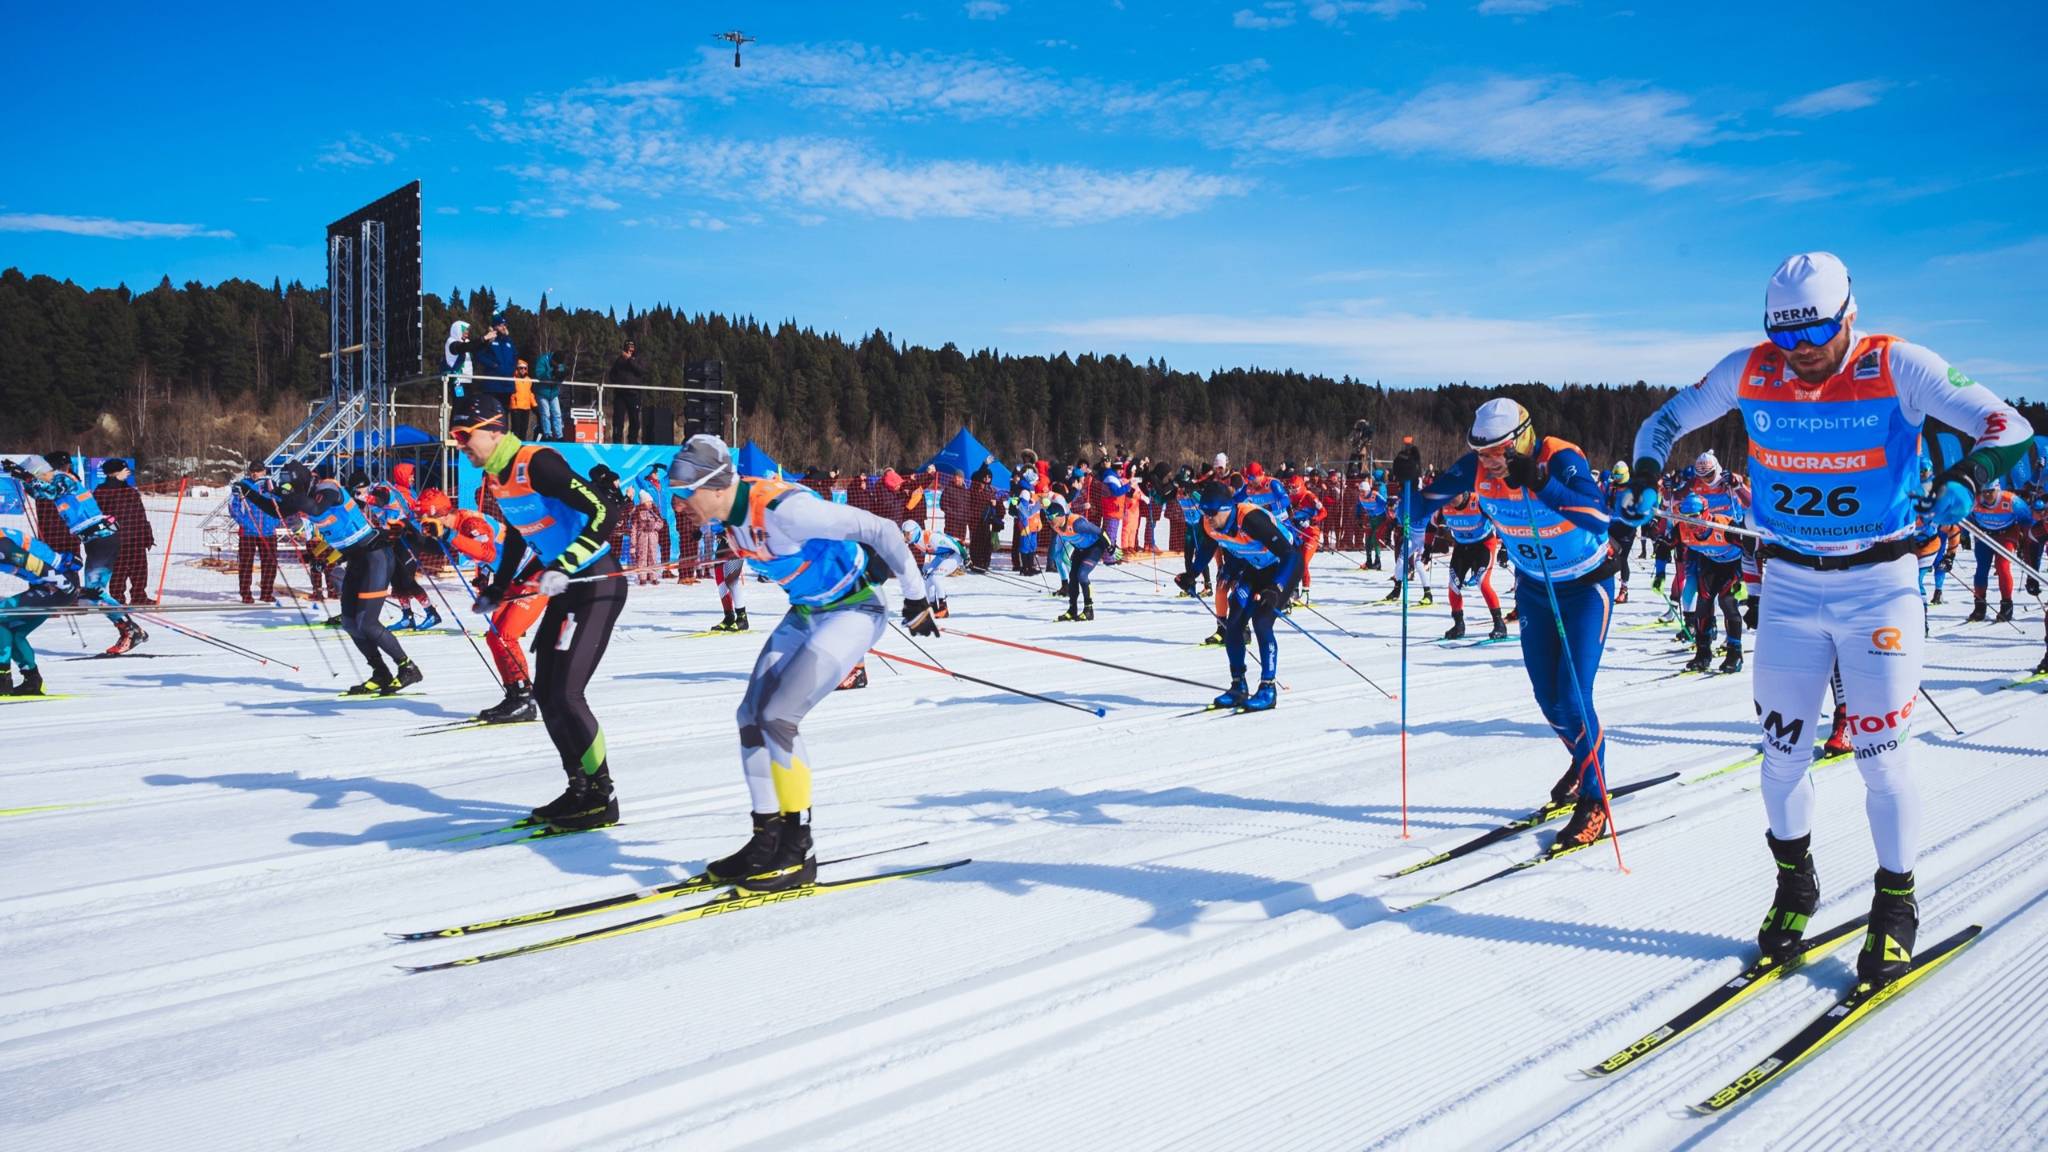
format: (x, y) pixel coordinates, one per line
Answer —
(1501, 421)
(1706, 465)
(1222, 460)
(912, 533)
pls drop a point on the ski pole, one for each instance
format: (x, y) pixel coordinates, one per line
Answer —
(305, 619)
(445, 603)
(1081, 659)
(1401, 566)
(990, 683)
(1311, 609)
(1939, 711)
(217, 642)
(1333, 654)
(1571, 669)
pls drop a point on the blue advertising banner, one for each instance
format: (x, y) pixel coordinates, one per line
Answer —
(641, 467)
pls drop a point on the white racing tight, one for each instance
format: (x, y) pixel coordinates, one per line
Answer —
(935, 569)
(1867, 622)
(805, 658)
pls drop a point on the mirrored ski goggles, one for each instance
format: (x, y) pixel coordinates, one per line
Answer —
(1817, 333)
(690, 488)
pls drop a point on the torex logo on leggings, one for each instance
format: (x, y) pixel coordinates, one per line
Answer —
(1888, 642)
(1891, 719)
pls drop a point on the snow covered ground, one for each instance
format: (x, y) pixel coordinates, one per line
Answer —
(1176, 931)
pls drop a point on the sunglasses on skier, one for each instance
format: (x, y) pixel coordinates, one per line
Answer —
(1817, 333)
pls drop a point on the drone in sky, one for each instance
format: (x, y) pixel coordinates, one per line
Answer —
(735, 38)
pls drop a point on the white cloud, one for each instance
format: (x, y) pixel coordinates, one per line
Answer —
(357, 150)
(1278, 15)
(1243, 70)
(836, 174)
(1622, 131)
(1334, 11)
(629, 142)
(1519, 7)
(106, 228)
(986, 9)
(1439, 346)
(2030, 253)
(1840, 98)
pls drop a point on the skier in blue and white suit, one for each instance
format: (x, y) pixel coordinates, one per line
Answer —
(1834, 421)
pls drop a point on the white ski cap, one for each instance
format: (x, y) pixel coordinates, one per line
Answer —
(1498, 421)
(1707, 464)
(703, 462)
(1807, 289)
(1222, 460)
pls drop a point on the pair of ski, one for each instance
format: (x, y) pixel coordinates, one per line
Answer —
(529, 828)
(471, 722)
(1482, 642)
(1543, 815)
(1820, 756)
(1847, 1011)
(730, 899)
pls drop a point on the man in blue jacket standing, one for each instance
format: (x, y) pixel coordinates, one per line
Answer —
(257, 529)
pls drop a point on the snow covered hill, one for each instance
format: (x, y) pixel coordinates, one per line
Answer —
(1176, 931)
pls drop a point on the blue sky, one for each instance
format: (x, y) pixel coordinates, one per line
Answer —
(1486, 190)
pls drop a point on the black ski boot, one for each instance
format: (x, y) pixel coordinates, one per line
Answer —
(1732, 662)
(1587, 825)
(516, 708)
(1393, 594)
(1751, 611)
(6, 681)
(2041, 669)
(588, 802)
(1700, 662)
(1500, 627)
(31, 683)
(380, 683)
(1088, 611)
(1567, 786)
(858, 678)
(1888, 941)
(408, 675)
(1936, 598)
(1214, 639)
(1427, 599)
(1798, 895)
(2004, 612)
(1979, 614)
(1457, 629)
(777, 856)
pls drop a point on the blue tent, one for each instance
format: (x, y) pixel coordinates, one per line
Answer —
(963, 455)
(402, 436)
(754, 462)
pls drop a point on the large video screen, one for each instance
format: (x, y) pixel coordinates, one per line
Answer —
(400, 212)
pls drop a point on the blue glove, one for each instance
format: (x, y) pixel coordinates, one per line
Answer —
(1638, 505)
(1952, 502)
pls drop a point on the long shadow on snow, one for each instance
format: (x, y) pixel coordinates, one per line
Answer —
(1087, 807)
(682, 677)
(1179, 895)
(587, 854)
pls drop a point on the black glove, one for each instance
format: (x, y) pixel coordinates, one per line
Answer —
(1501, 558)
(1524, 472)
(1271, 597)
(1185, 582)
(917, 615)
(1407, 467)
(15, 470)
(2033, 586)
